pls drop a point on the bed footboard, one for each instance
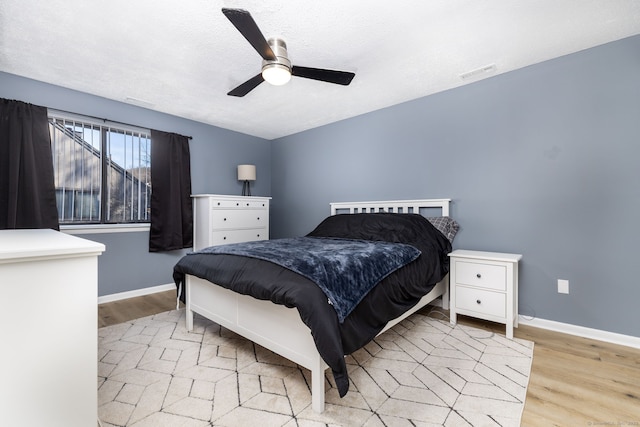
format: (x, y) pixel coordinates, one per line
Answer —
(275, 327)
(270, 325)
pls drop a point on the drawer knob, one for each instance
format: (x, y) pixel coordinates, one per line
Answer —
(224, 238)
(225, 219)
(258, 218)
(258, 235)
(479, 276)
(237, 203)
(478, 301)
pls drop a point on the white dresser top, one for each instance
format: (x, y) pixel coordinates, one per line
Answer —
(229, 196)
(24, 244)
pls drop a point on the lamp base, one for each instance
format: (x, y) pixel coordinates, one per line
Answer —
(246, 188)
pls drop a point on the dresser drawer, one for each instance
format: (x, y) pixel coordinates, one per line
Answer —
(223, 237)
(230, 219)
(485, 276)
(481, 301)
(245, 204)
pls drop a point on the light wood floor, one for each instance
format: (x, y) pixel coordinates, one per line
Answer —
(574, 381)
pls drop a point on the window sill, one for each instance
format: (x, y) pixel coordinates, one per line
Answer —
(104, 228)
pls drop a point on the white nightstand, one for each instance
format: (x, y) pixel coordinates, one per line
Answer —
(485, 285)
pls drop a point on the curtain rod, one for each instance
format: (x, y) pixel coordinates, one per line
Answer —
(100, 118)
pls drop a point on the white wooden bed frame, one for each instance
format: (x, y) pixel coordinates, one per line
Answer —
(279, 328)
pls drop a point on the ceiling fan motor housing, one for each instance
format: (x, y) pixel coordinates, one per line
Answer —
(279, 48)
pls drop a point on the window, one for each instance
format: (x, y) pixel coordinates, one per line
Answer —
(101, 170)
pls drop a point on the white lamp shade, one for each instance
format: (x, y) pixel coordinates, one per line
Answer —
(246, 172)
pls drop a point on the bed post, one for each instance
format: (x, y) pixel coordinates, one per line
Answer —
(188, 312)
(317, 385)
(445, 296)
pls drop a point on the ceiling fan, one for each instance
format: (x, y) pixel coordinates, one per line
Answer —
(276, 66)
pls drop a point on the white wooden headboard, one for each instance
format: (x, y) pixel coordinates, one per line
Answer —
(393, 206)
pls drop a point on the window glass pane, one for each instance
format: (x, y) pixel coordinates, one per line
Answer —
(129, 162)
(76, 159)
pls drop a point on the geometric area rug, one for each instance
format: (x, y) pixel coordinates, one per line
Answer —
(422, 372)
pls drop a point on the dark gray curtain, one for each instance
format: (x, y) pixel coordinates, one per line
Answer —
(27, 186)
(171, 208)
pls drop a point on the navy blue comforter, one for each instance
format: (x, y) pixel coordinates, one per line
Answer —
(345, 269)
(335, 335)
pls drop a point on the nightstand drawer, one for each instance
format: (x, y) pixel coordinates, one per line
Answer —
(485, 276)
(480, 301)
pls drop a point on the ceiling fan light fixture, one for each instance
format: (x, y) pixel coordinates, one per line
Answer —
(276, 74)
(277, 71)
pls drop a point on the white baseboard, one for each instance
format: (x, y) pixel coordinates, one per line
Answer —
(581, 331)
(136, 293)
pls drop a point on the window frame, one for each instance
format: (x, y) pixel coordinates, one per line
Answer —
(102, 226)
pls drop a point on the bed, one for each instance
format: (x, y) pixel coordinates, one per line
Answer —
(234, 289)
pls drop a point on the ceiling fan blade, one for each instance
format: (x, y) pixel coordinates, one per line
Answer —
(330, 76)
(243, 21)
(247, 86)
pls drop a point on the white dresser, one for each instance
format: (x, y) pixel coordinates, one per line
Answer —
(485, 285)
(220, 219)
(48, 329)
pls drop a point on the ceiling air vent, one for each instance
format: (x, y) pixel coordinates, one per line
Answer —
(479, 72)
(138, 102)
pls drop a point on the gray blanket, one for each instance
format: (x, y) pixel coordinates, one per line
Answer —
(345, 269)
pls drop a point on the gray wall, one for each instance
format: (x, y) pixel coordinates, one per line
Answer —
(543, 161)
(127, 264)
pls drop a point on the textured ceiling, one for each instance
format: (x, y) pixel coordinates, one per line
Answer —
(183, 60)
